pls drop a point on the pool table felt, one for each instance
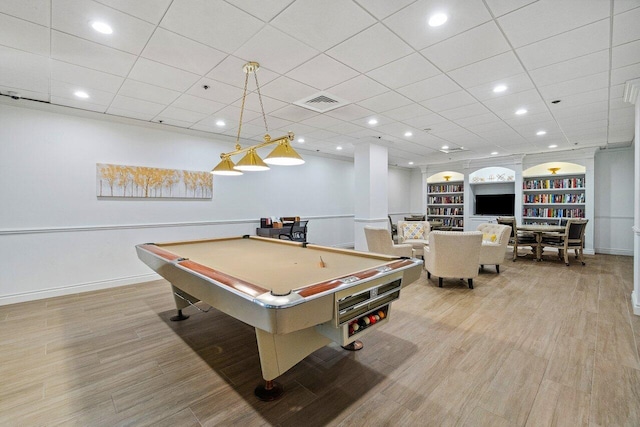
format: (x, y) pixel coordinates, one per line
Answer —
(274, 265)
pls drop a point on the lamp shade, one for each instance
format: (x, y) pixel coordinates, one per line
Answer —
(251, 162)
(225, 167)
(284, 155)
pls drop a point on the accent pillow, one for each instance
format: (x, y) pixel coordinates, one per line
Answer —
(489, 237)
(413, 231)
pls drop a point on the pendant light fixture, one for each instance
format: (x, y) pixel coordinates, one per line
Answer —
(283, 154)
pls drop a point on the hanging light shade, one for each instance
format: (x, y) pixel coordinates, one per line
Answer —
(225, 167)
(251, 162)
(284, 155)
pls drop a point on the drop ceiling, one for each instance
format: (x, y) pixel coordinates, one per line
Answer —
(179, 62)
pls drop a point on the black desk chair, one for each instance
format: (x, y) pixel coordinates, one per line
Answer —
(297, 232)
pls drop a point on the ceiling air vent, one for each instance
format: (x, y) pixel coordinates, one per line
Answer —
(321, 102)
(454, 150)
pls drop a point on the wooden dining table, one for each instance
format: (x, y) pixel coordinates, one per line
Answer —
(538, 230)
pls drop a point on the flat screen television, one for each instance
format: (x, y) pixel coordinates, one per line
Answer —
(495, 204)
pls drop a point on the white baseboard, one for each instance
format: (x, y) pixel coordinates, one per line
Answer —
(609, 251)
(75, 289)
(635, 304)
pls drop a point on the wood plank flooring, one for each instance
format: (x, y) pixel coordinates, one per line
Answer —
(539, 344)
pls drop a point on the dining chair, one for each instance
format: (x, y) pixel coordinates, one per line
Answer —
(571, 238)
(297, 232)
(518, 239)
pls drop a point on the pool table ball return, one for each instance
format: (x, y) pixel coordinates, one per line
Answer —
(298, 296)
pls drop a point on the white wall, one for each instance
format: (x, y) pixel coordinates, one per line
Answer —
(614, 181)
(57, 237)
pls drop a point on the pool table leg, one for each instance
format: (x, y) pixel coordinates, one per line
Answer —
(178, 317)
(269, 391)
(354, 346)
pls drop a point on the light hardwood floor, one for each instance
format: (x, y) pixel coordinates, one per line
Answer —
(538, 344)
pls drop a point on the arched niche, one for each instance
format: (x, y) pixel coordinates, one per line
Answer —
(561, 168)
(445, 177)
(493, 193)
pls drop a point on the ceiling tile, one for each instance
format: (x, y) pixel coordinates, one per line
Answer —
(24, 35)
(147, 92)
(488, 70)
(162, 75)
(582, 98)
(478, 43)
(411, 22)
(217, 91)
(37, 11)
(350, 112)
(572, 44)
(137, 105)
(429, 88)
(294, 113)
(287, 90)
(172, 49)
(386, 101)
(195, 103)
(513, 101)
(174, 113)
(67, 90)
(130, 114)
(407, 112)
(149, 10)
(514, 84)
(322, 72)
(623, 74)
(168, 121)
(24, 71)
(449, 101)
(75, 17)
(383, 8)
(459, 113)
(573, 86)
(270, 44)
(357, 89)
(214, 23)
(308, 21)
(263, 10)
(87, 54)
(252, 102)
(625, 27)
(372, 48)
(502, 7)
(404, 71)
(575, 68)
(79, 104)
(547, 18)
(85, 77)
(620, 6)
(27, 94)
(231, 72)
(626, 54)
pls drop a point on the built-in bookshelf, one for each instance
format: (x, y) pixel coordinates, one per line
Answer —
(445, 202)
(550, 199)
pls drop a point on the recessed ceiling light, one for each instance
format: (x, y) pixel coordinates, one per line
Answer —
(339, 147)
(301, 140)
(541, 132)
(437, 19)
(408, 133)
(81, 94)
(373, 122)
(499, 88)
(493, 153)
(445, 147)
(410, 163)
(521, 111)
(553, 146)
(220, 123)
(101, 27)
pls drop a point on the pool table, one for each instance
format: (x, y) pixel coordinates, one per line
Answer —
(298, 296)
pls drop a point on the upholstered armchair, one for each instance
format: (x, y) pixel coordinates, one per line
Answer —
(495, 238)
(379, 241)
(453, 254)
(414, 233)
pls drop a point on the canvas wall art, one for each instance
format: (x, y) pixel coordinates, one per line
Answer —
(144, 182)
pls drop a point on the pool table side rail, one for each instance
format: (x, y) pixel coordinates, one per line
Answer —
(262, 296)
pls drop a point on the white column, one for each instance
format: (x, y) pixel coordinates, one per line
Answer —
(631, 94)
(371, 208)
